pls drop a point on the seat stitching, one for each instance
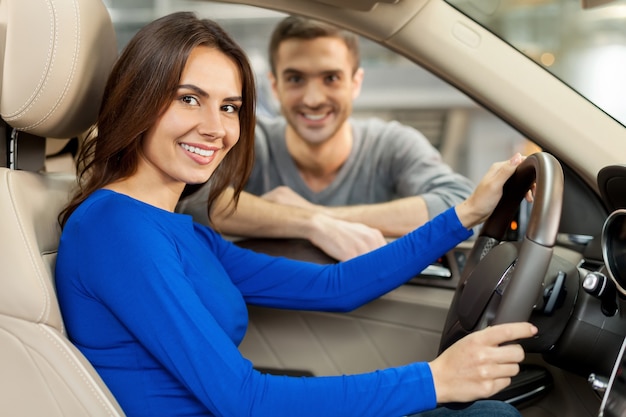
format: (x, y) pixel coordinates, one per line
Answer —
(16, 113)
(46, 295)
(94, 388)
(42, 78)
(72, 70)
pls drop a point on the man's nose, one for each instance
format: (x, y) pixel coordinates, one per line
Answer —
(313, 94)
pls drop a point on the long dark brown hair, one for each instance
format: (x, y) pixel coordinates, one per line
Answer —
(141, 85)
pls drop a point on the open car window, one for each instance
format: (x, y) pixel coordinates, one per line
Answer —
(581, 42)
(566, 37)
(394, 87)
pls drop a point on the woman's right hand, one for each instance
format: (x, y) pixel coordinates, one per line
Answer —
(479, 365)
(479, 205)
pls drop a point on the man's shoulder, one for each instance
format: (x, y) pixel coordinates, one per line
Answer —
(270, 127)
(374, 130)
(269, 139)
(378, 125)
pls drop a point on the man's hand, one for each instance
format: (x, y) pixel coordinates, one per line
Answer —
(343, 240)
(273, 216)
(340, 239)
(478, 365)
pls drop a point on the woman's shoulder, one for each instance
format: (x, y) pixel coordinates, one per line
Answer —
(109, 208)
(107, 218)
(106, 202)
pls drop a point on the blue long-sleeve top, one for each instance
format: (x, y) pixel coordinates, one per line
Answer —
(157, 303)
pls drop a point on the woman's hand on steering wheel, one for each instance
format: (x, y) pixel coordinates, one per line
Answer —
(479, 205)
(480, 364)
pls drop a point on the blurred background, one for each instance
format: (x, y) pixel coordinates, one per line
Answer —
(583, 45)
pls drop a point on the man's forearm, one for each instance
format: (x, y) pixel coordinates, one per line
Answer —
(393, 218)
(256, 217)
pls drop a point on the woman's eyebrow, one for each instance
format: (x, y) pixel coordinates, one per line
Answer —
(234, 99)
(203, 93)
(195, 89)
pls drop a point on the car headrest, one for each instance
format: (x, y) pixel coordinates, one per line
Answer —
(55, 58)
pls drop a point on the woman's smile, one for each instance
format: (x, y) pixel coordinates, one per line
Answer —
(200, 154)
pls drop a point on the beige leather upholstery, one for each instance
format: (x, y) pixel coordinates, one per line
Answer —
(57, 54)
(56, 57)
(42, 374)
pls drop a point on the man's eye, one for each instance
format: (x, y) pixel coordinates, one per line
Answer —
(294, 79)
(332, 78)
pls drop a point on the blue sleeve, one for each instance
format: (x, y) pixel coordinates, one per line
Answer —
(279, 282)
(136, 271)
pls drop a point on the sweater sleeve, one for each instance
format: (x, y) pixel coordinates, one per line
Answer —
(279, 282)
(417, 168)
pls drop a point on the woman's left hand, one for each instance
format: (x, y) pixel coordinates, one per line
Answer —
(479, 205)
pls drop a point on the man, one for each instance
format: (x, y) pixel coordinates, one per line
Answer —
(341, 183)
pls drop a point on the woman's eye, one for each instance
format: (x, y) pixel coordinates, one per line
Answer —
(231, 108)
(191, 100)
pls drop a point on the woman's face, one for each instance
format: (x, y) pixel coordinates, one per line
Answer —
(201, 124)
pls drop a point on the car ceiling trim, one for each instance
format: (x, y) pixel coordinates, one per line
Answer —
(378, 24)
(360, 5)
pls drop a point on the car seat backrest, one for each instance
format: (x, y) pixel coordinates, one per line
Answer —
(55, 56)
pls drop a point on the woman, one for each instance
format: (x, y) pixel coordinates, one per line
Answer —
(158, 303)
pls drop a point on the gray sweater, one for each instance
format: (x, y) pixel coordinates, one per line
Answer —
(388, 161)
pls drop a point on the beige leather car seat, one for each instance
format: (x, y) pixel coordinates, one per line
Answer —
(55, 57)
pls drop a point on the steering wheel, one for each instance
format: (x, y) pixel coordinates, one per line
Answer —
(502, 281)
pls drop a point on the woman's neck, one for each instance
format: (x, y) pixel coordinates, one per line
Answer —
(156, 194)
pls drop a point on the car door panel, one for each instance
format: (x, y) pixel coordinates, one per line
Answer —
(400, 327)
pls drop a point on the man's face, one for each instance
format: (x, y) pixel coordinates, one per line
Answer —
(315, 84)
